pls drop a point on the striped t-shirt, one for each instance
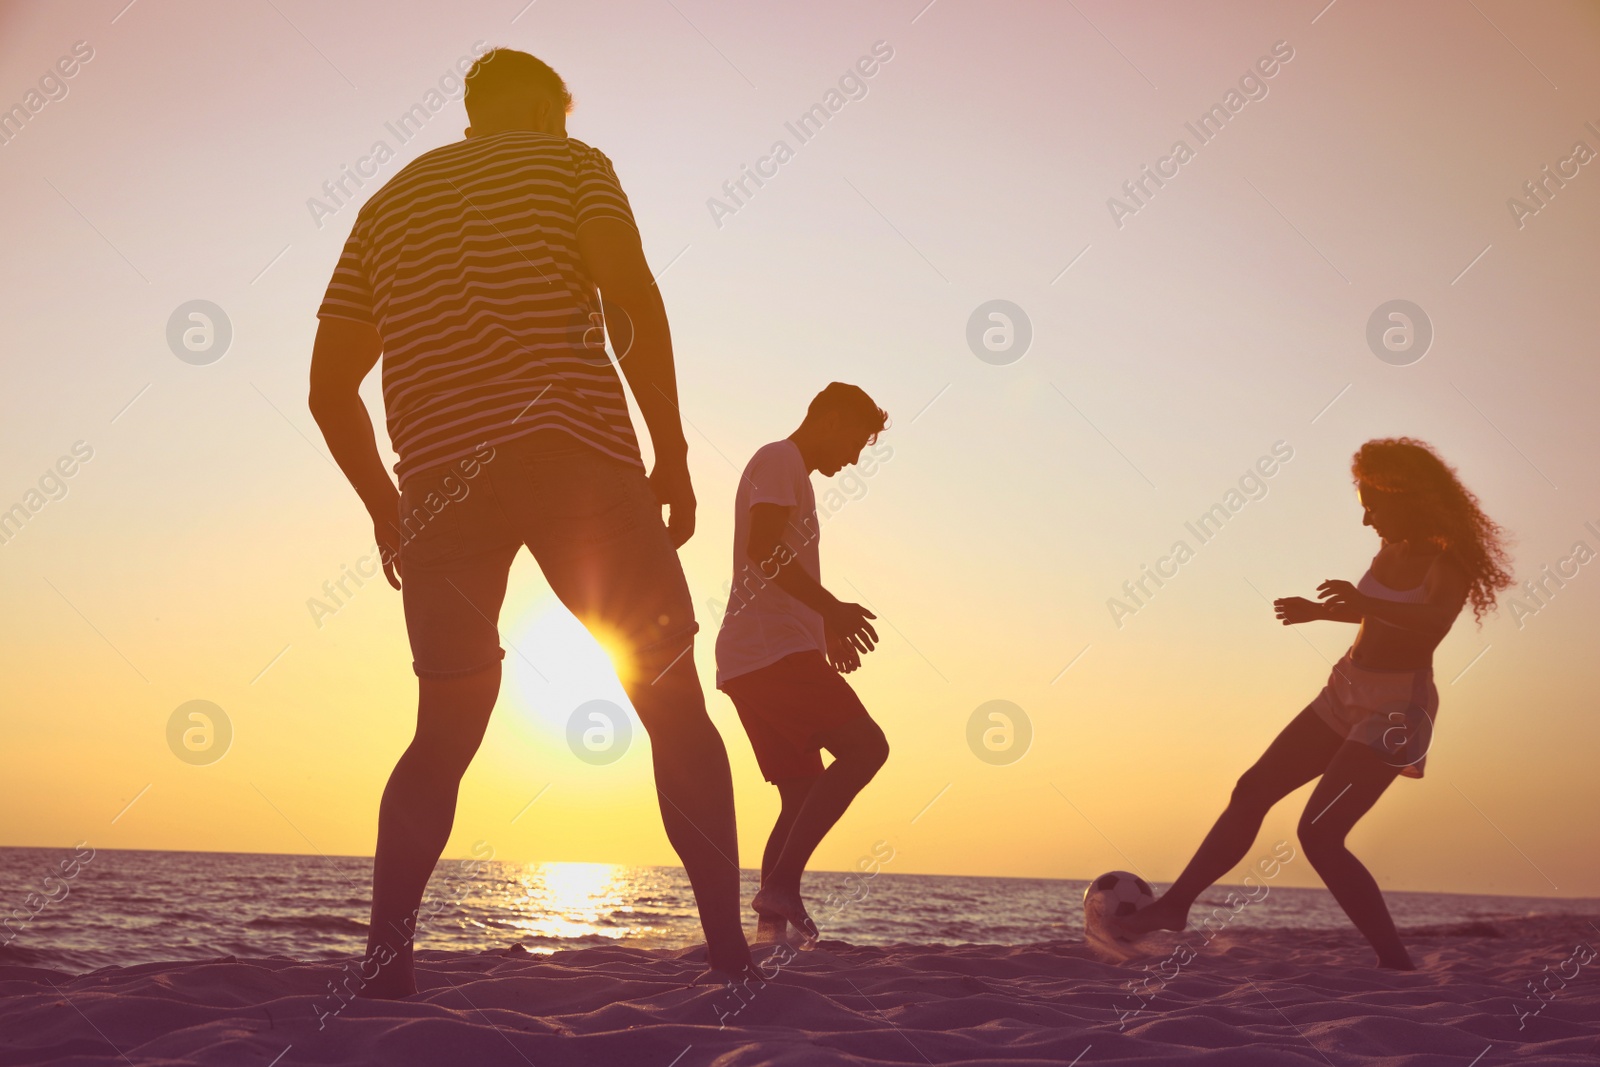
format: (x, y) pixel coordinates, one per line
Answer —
(467, 263)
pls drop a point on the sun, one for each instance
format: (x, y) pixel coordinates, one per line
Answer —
(615, 651)
(553, 664)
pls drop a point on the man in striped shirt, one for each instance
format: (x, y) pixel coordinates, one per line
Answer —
(473, 273)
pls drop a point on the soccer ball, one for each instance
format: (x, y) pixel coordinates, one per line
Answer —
(1115, 893)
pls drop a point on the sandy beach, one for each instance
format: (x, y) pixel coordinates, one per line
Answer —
(1252, 997)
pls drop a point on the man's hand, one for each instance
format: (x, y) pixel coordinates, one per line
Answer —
(1296, 609)
(386, 532)
(849, 621)
(1341, 601)
(670, 480)
(842, 655)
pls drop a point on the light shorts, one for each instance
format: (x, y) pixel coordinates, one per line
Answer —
(592, 523)
(1390, 711)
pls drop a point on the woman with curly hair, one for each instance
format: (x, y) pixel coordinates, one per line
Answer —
(1373, 721)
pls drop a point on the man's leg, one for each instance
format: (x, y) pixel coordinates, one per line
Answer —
(792, 793)
(594, 525)
(694, 788)
(859, 749)
(414, 820)
(453, 581)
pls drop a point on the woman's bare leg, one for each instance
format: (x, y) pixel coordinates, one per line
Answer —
(1297, 755)
(1353, 782)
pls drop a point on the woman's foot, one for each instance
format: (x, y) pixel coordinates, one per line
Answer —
(775, 903)
(1401, 962)
(1157, 916)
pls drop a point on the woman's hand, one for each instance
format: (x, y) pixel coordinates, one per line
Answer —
(1341, 601)
(1297, 609)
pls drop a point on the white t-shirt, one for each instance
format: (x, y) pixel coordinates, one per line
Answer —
(763, 623)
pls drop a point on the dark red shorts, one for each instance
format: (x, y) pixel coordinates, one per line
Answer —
(787, 706)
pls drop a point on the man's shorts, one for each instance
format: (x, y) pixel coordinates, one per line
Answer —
(1390, 711)
(786, 707)
(591, 521)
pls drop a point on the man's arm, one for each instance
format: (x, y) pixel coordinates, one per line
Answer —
(636, 319)
(344, 351)
(774, 560)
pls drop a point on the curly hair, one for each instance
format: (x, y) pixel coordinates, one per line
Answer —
(1448, 510)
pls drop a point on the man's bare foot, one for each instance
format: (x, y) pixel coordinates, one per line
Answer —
(1157, 916)
(394, 979)
(727, 963)
(728, 972)
(784, 904)
(1401, 962)
(771, 929)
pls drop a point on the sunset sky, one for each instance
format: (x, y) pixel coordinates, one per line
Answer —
(1174, 343)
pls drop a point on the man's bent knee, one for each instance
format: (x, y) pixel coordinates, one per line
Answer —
(861, 741)
(877, 748)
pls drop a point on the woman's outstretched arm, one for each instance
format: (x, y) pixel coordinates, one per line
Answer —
(1292, 610)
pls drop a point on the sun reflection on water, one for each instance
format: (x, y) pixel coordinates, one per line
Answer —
(573, 900)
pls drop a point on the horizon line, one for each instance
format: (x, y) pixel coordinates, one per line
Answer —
(756, 871)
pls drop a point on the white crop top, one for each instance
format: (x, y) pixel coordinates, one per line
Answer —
(1372, 587)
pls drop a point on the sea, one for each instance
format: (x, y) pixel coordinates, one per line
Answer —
(118, 908)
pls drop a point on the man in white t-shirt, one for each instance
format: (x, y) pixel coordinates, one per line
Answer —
(785, 640)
